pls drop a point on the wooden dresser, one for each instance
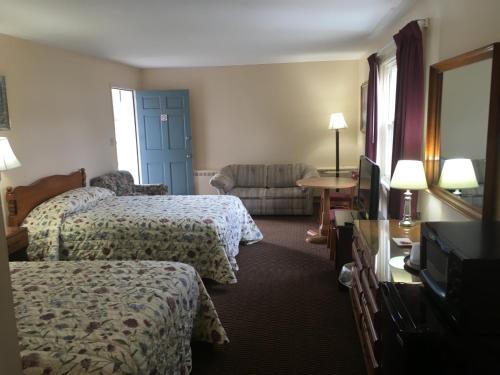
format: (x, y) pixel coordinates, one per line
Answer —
(376, 258)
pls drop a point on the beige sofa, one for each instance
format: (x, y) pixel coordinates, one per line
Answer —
(268, 189)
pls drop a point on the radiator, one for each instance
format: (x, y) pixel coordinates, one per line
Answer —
(201, 182)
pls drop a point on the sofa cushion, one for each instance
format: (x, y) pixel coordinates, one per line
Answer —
(283, 175)
(248, 193)
(285, 193)
(249, 175)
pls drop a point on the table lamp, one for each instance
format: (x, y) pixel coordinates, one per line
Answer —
(8, 159)
(408, 175)
(458, 174)
(337, 122)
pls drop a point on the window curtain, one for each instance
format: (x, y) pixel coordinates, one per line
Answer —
(371, 109)
(409, 112)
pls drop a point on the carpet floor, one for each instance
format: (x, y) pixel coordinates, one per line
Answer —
(286, 314)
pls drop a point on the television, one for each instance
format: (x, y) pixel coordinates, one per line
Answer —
(368, 189)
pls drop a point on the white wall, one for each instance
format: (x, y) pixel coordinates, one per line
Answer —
(62, 119)
(268, 113)
(456, 26)
(60, 110)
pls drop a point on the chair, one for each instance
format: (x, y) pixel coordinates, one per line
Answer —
(122, 183)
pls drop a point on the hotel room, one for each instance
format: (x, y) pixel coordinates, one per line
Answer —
(242, 126)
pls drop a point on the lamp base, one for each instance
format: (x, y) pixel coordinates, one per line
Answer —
(406, 221)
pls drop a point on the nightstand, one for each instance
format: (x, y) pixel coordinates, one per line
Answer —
(17, 242)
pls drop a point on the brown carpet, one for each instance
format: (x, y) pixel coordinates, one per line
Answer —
(286, 314)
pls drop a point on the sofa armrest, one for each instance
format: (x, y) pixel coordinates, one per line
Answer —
(152, 189)
(223, 183)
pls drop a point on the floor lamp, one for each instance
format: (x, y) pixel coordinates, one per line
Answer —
(337, 122)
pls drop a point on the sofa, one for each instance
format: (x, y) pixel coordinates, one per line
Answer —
(268, 189)
(122, 183)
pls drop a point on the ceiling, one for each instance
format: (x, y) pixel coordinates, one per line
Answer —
(173, 33)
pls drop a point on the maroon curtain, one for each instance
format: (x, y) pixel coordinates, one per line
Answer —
(371, 110)
(409, 113)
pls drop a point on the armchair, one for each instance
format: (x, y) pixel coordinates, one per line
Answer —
(122, 183)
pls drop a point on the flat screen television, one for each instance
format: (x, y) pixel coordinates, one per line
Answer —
(368, 189)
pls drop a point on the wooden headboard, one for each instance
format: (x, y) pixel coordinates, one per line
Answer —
(22, 199)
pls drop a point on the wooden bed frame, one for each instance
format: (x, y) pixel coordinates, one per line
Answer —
(22, 199)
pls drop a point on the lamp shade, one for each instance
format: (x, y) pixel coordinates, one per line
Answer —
(458, 174)
(337, 121)
(409, 174)
(7, 158)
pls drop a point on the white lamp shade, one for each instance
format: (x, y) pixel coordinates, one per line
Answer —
(7, 158)
(337, 121)
(409, 174)
(458, 174)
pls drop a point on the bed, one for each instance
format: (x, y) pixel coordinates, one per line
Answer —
(111, 317)
(68, 221)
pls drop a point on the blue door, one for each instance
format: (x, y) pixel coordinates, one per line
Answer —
(164, 137)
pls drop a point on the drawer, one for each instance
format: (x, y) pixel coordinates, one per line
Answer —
(368, 294)
(373, 281)
(366, 259)
(356, 281)
(372, 332)
(356, 304)
(356, 257)
(369, 349)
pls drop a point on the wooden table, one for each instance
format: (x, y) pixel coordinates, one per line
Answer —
(325, 184)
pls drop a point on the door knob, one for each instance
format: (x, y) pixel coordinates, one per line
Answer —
(188, 138)
(188, 156)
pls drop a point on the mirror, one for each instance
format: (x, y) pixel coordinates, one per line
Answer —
(461, 125)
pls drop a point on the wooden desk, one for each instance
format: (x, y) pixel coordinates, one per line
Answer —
(325, 184)
(374, 253)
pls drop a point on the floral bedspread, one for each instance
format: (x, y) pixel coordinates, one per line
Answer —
(107, 317)
(92, 223)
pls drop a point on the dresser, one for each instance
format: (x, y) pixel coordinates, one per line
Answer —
(376, 259)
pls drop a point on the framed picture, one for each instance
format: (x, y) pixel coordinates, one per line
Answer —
(4, 109)
(364, 105)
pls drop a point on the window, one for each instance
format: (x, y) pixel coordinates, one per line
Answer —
(386, 108)
(126, 141)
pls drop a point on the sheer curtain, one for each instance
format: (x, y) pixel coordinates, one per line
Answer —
(386, 107)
